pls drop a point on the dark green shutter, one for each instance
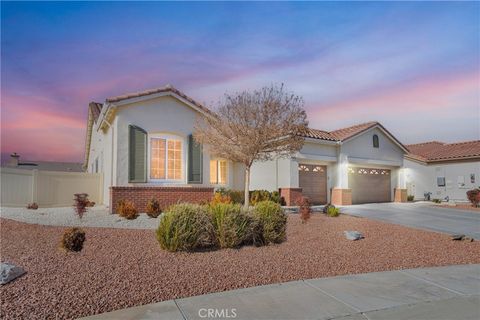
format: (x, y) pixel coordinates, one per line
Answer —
(195, 161)
(137, 154)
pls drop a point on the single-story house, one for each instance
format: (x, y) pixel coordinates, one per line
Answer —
(442, 169)
(142, 143)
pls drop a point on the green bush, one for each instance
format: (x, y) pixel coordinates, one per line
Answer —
(436, 200)
(256, 196)
(236, 196)
(273, 221)
(185, 227)
(233, 225)
(333, 211)
(410, 198)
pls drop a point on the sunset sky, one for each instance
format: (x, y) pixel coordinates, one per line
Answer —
(415, 67)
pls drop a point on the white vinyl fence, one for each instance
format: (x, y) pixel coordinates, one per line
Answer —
(47, 188)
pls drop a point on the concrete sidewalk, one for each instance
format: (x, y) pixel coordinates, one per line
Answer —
(451, 292)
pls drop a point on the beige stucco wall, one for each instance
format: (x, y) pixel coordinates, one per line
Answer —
(360, 149)
(161, 116)
(422, 178)
(47, 188)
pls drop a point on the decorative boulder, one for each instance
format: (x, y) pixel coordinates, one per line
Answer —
(457, 236)
(10, 272)
(353, 235)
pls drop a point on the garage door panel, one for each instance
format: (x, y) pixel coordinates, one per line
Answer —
(369, 185)
(313, 181)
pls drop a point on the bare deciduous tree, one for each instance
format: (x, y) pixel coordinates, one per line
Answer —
(257, 125)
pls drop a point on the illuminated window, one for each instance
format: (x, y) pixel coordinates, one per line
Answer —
(218, 171)
(303, 168)
(165, 159)
(375, 141)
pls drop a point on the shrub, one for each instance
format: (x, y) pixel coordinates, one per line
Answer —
(220, 198)
(237, 196)
(474, 197)
(127, 210)
(185, 227)
(273, 221)
(410, 198)
(153, 208)
(257, 196)
(80, 204)
(305, 209)
(233, 225)
(73, 239)
(32, 206)
(436, 200)
(332, 211)
(326, 207)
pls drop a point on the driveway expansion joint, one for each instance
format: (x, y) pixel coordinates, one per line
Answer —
(405, 272)
(180, 309)
(331, 296)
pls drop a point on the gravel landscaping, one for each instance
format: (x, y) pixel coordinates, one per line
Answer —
(65, 216)
(121, 268)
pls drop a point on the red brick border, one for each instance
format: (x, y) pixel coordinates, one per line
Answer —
(140, 195)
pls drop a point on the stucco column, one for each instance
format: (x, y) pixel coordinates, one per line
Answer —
(400, 192)
(341, 194)
(342, 172)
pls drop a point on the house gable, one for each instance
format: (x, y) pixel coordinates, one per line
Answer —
(361, 147)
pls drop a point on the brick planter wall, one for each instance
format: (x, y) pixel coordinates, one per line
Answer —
(400, 195)
(140, 195)
(341, 197)
(291, 195)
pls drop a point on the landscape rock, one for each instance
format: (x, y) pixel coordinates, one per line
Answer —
(10, 272)
(353, 235)
(457, 236)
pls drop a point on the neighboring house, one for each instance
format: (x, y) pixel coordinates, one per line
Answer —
(143, 145)
(443, 169)
(14, 162)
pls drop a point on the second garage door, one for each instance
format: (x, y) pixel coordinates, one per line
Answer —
(369, 185)
(313, 181)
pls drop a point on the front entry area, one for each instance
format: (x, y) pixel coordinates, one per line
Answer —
(313, 181)
(369, 185)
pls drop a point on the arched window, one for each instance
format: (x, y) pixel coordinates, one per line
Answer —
(375, 141)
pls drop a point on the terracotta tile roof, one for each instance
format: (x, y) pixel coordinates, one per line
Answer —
(319, 134)
(167, 88)
(340, 134)
(95, 108)
(438, 151)
(345, 133)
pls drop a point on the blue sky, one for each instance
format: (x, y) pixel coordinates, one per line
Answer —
(412, 66)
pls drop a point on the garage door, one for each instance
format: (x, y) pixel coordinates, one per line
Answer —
(369, 185)
(313, 181)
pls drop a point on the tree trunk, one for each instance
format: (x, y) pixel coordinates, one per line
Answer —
(247, 187)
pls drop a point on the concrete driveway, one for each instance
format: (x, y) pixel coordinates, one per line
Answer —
(421, 215)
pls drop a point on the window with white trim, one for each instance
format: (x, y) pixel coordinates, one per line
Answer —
(166, 159)
(218, 171)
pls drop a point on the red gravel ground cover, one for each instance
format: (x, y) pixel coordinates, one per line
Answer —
(121, 268)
